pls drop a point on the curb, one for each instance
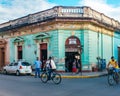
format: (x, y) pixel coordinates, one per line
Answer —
(73, 77)
(90, 76)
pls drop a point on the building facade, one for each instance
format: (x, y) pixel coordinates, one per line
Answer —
(63, 33)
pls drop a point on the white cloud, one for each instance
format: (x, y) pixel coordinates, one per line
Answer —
(19, 8)
(102, 7)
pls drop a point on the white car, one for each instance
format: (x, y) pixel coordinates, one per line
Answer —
(18, 68)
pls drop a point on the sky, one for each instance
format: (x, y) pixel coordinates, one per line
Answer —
(13, 9)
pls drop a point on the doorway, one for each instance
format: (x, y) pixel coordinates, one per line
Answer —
(2, 57)
(43, 53)
(70, 56)
(19, 52)
(71, 50)
(119, 56)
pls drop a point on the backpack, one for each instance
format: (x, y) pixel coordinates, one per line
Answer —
(50, 65)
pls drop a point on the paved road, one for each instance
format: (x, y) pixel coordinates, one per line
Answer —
(28, 86)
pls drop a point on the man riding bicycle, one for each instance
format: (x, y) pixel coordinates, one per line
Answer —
(50, 64)
(113, 65)
(50, 73)
(113, 71)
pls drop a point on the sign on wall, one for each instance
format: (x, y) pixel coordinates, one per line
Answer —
(71, 44)
(73, 41)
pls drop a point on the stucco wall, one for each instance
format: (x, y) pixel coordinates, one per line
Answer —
(94, 45)
(116, 44)
(28, 48)
(107, 47)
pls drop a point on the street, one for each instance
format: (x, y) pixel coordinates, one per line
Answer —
(11, 85)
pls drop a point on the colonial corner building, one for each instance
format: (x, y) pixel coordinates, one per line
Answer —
(63, 33)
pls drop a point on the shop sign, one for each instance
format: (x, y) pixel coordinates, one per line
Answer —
(71, 50)
(72, 41)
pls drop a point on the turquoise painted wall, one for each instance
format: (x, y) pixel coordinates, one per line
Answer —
(57, 45)
(107, 47)
(62, 37)
(12, 50)
(85, 57)
(94, 45)
(28, 49)
(116, 43)
(30, 46)
(53, 47)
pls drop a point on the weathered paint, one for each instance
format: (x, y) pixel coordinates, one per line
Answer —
(94, 45)
(116, 44)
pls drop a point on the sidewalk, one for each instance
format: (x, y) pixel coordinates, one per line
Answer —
(81, 75)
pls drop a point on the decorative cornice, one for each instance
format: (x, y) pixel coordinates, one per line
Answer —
(59, 25)
(60, 12)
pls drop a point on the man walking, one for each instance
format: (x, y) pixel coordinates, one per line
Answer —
(37, 64)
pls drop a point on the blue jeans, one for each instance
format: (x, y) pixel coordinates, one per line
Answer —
(37, 72)
(49, 73)
(115, 69)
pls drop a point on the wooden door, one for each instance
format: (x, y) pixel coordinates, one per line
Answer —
(20, 52)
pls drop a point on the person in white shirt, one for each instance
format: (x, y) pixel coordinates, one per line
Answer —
(50, 64)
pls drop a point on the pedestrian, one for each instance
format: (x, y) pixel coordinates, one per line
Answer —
(50, 64)
(37, 64)
(43, 64)
(74, 69)
(77, 64)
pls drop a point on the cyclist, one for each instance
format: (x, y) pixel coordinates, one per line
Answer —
(113, 65)
(50, 64)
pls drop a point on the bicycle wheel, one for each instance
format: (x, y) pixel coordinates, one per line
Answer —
(56, 78)
(110, 79)
(116, 78)
(44, 77)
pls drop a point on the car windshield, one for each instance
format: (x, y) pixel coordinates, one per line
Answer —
(25, 64)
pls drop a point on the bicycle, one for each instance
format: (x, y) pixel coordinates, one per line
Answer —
(113, 77)
(55, 77)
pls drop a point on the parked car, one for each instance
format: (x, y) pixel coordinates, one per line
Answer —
(18, 68)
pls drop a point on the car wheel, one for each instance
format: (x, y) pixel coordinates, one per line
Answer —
(17, 73)
(29, 74)
(5, 72)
